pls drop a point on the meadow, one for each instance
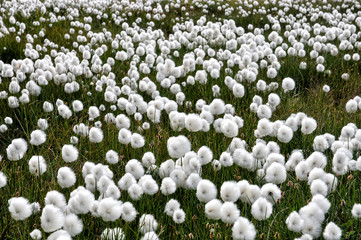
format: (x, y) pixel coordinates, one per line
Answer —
(187, 119)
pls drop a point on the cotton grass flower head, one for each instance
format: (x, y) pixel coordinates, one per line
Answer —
(193, 123)
(206, 191)
(261, 209)
(322, 202)
(51, 218)
(179, 216)
(73, 224)
(124, 136)
(312, 228)
(19, 208)
(36, 234)
(288, 84)
(308, 125)
(178, 146)
(312, 212)
(276, 173)
(112, 157)
(109, 209)
(95, 135)
(37, 165)
(3, 179)
(168, 186)
(66, 177)
(171, 206)
(37, 137)
(271, 192)
(148, 159)
(17, 149)
(204, 155)
(243, 229)
(229, 212)
(135, 168)
(356, 210)
(126, 181)
(135, 191)
(149, 185)
(113, 234)
(294, 222)
(229, 128)
(150, 236)
(59, 234)
(57, 199)
(69, 153)
(137, 140)
(332, 232)
(147, 223)
(129, 213)
(229, 191)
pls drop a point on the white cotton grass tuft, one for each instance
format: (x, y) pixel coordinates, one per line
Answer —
(288, 84)
(178, 146)
(284, 134)
(73, 224)
(171, 206)
(109, 209)
(213, 209)
(168, 186)
(66, 177)
(36, 234)
(112, 157)
(96, 135)
(113, 234)
(318, 186)
(276, 173)
(37, 165)
(37, 137)
(332, 232)
(356, 210)
(193, 123)
(135, 192)
(59, 234)
(129, 213)
(148, 159)
(17, 149)
(57, 199)
(150, 236)
(179, 216)
(124, 136)
(150, 186)
(308, 125)
(312, 228)
(243, 229)
(206, 191)
(147, 223)
(126, 181)
(135, 168)
(229, 212)
(19, 208)
(322, 202)
(52, 218)
(229, 191)
(271, 192)
(261, 209)
(3, 179)
(137, 140)
(69, 153)
(294, 222)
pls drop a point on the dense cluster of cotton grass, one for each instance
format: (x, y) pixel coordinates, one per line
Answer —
(109, 115)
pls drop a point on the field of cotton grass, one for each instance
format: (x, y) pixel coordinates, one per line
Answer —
(187, 119)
